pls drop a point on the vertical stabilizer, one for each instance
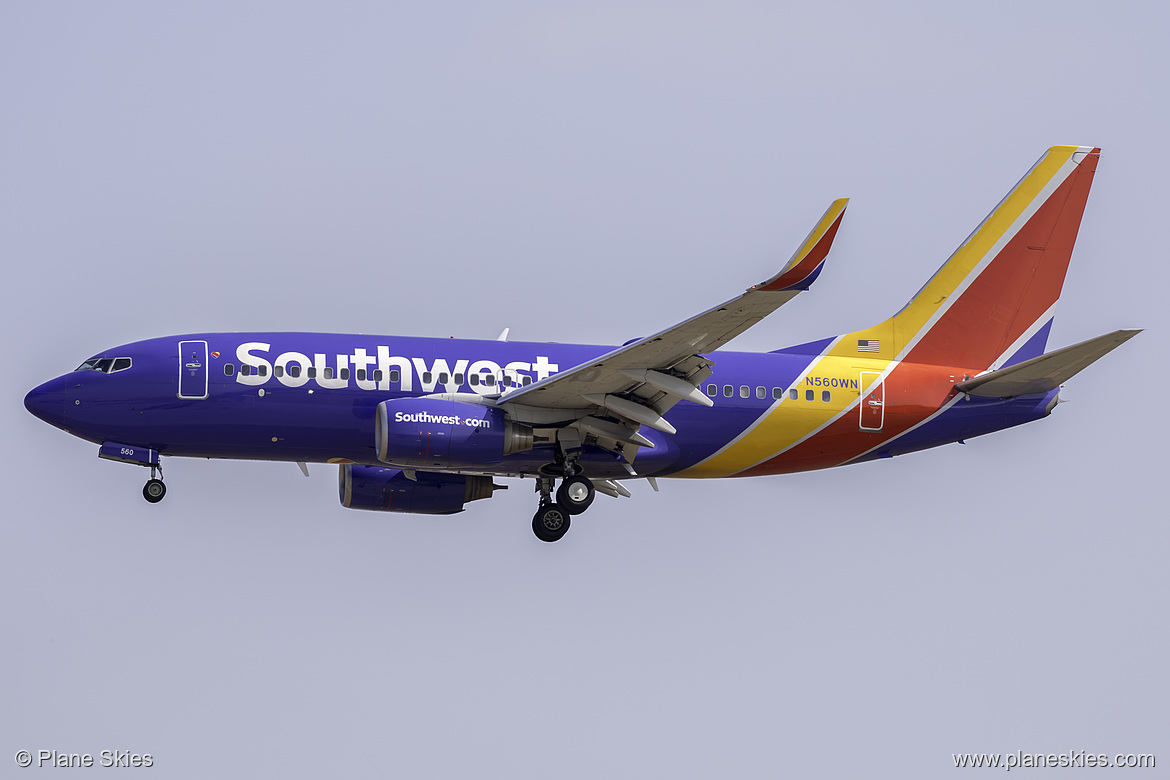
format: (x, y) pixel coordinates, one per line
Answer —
(992, 301)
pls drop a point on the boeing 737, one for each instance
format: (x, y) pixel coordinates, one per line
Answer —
(425, 425)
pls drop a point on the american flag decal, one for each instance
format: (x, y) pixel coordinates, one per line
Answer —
(868, 345)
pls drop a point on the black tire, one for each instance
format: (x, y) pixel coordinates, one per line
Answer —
(550, 523)
(571, 489)
(154, 490)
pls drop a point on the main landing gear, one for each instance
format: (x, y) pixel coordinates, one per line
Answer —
(550, 522)
(154, 490)
(573, 497)
(575, 494)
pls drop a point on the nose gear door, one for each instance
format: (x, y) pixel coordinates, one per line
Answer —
(193, 370)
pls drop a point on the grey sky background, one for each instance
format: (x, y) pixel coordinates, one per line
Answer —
(590, 173)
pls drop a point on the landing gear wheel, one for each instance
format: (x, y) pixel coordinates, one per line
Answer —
(154, 491)
(576, 494)
(550, 523)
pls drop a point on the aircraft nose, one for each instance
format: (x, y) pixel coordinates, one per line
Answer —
(48, 402)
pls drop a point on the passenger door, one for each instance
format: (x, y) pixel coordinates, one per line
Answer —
(193, 370)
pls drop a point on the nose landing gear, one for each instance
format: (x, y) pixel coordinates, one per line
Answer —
(154, 490)
(137, 455)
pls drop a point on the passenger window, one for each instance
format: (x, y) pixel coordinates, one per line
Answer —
(506, 381)
(443, 377)
(489, 380)
(473, 380)
(312, 372)
(527, 380)
(793, 394)
(745, 391)
(728, 391)
(294, 371)
(459, 379)
(808, 395)
(278, 371)
(361, 375)
(229, 369)
(426, 377)
(245, 370)
(377, 375)
(262, 370)
(761, 392)
(327, 372)
(345, 374)
(712, 390)
(777, 393)
(825, 396)
(395, 375)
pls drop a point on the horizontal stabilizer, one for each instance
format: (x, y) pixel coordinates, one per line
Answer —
(1047, 372)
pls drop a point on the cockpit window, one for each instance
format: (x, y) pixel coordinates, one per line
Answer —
(97, 364)
(105, 365)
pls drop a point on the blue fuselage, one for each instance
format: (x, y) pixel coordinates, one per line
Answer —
(313, 397)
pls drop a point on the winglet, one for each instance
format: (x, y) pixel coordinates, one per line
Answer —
(804, 266)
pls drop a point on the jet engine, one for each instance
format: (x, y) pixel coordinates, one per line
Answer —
(445, 433)
(390, 490)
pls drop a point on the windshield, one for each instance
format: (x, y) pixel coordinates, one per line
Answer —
(105, 365)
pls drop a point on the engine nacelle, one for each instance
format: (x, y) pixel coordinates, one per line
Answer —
(389, 490)
(445, 433)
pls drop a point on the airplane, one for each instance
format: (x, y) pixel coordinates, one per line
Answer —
(424, 425)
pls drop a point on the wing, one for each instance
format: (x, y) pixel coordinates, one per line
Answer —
(640, 381)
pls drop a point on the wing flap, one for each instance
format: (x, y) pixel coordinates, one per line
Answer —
(1047, 372)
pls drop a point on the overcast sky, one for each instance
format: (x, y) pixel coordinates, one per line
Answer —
(584, 172)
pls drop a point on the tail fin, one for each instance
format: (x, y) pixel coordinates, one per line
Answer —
(992, 301)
